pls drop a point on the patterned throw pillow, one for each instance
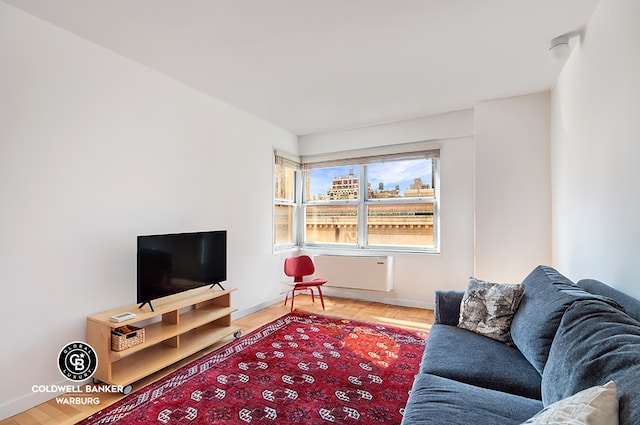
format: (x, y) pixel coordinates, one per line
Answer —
(487, 308)
(593, 406)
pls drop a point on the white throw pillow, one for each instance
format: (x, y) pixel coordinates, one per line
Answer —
(593, 406)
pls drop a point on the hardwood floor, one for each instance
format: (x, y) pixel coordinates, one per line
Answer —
(52, 413)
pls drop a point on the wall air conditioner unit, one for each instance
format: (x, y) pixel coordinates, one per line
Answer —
(342, 271)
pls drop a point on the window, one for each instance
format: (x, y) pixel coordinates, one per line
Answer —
(285, 208)
(401, 203)
(380, 202)
(331, 205)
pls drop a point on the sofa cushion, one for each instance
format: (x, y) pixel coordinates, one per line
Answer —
(487, 308)
(593, 406)
(547, 294)
(464, 356)
(595, 343)
(438, 400)
(630, 305)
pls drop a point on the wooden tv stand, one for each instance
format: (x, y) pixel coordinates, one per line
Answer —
(189, 322)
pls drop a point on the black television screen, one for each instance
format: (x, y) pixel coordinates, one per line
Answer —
(172, 263)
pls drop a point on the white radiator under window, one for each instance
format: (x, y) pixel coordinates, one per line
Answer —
(371, 273)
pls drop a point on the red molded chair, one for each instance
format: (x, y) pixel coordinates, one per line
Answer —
(298, 268)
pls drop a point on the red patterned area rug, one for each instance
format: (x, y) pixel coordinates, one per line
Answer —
(299, 369)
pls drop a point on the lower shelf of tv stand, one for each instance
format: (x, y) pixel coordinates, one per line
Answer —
(180, 326)
(152, 359)
(158, 332)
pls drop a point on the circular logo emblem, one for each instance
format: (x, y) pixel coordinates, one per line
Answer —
(77, 361)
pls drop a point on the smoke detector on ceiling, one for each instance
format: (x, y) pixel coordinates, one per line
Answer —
(559, 48)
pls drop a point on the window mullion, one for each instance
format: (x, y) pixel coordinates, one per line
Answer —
(301, 193)
(362, 207)
(435, 170)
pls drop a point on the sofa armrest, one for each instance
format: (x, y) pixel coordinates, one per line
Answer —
(447, 307)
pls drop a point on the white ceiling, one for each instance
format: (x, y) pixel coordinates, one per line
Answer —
(313, 66)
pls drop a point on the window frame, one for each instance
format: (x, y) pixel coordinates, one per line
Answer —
(363, 202)
(409, 200)
(359, 159)
(293, 163)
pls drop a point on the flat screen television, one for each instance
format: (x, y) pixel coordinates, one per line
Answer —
(173, 263)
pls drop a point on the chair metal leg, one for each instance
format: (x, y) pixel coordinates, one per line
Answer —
(293, 297)
(310, 288)
(321, 298)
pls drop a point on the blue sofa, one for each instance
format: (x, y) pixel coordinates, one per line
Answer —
(568, 337)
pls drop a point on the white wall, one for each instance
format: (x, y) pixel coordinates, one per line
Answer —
(417, 276)
(94, 150)
(596, 149)
(512, 187)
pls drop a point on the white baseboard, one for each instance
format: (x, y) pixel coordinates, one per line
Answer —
(380, 297)
(255, 308)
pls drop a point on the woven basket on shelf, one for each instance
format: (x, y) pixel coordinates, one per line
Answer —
(122, 342)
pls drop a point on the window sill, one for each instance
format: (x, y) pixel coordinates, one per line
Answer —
(369, 252)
